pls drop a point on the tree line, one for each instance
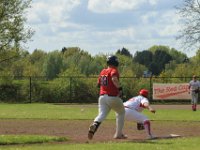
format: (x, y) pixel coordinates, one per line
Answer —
(72, 61)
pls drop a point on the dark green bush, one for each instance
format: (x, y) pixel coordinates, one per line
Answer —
(8, 92)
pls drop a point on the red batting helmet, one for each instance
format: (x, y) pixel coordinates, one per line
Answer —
(144, 92)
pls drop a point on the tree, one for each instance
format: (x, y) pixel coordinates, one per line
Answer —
(12, 20)
(160, 59)
(124, 51)
(144, 57)
(154, 48)
(177, 56)
(35, 62)
(37, 56)
(190, 32)
(53, 65)
(154, 59)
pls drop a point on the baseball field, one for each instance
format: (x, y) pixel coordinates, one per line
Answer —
(61, 127)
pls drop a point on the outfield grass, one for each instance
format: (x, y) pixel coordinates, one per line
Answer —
(47, 111)
(81, 112)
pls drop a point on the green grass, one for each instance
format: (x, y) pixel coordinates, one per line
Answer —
(28, 139)
(174, 115)
(81, 112)
(169, 144)
(46, 111)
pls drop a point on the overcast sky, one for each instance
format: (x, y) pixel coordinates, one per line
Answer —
(103, 26)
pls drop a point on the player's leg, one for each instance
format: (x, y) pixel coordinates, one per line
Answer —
(104, 109)
(147, 126)
(197, 99)
(116, 104)
(146, 123)
(141, 119)
(193, 100)
(133, 115)
(92, 129)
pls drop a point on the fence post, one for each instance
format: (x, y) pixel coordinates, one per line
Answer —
(70, 88)
(30, 90)
(151, 89)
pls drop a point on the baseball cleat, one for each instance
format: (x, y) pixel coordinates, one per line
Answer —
(91, 131)
(121, 137)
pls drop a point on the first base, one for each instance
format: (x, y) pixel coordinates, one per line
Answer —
(175, 135)
(167, 137)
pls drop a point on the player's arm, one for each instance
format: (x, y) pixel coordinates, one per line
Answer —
(147, 106)
(189, 88)
(115, 81)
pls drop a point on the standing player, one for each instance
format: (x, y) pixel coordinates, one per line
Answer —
(193, 87)
(110, 92)
(133, 109)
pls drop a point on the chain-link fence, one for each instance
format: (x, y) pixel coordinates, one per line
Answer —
(71, 89)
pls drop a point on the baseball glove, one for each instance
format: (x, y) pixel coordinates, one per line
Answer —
(196, 91)
(140, 126)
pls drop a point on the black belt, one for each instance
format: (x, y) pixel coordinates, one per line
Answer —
(108, 95)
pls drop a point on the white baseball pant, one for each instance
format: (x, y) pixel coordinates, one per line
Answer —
(194, 96)
(106, 103)
(133, 115)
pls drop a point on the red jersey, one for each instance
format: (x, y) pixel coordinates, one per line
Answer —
(105, 82)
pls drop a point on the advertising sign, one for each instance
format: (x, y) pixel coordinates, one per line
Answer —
(167, 91)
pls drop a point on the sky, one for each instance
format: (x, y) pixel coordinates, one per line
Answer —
(104, 26)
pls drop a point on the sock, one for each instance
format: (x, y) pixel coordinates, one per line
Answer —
(147, 126)
(97, 124)
(193, 106)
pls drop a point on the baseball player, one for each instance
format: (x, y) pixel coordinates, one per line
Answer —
(133, 109)
(193, 87)
(110, 92)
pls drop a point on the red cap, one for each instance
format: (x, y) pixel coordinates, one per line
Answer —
(144, 92)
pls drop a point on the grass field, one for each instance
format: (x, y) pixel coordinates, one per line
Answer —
(178, 144)
(40, 112)
(81, 112)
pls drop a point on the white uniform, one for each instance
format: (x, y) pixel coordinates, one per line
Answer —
(193, 86)
(134, 107)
